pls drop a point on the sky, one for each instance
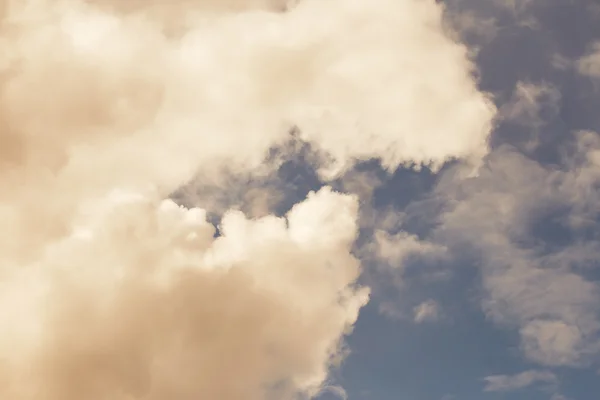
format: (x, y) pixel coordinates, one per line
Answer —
(309, 199)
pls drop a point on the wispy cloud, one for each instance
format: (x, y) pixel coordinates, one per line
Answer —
(589, 64)
(505, 383)
(527, 282)
(427, 311)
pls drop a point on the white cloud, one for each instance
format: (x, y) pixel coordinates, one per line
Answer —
(504, 383)
(106, 109)
(150, 304)
(427, 311)
(232, 84)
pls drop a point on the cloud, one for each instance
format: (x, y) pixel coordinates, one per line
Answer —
(561, 62)
(353, 92)
(551, 342)
(427, 311)
(470, 24)
(527, 101)
(589, 64)
(394, 250)
(149, 304)
(504, 383)
(507, 216)
(531, 106)
(109, 289)
(516, 6)
(390, 257)
(336, 391)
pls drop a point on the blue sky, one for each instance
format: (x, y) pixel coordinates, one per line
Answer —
(273, 200)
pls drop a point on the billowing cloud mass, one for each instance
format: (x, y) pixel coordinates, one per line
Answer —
(109, 290)
(142, 302)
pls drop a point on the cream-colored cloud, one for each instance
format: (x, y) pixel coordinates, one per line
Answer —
(93, 100)
(234, 83)
(143, 302)
(106, 109)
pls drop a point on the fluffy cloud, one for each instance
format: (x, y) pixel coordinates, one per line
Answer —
(146, 303)
(107, 109)
(503, 383)
(231, 85)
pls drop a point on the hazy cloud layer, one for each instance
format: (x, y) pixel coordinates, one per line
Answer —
(534, 284)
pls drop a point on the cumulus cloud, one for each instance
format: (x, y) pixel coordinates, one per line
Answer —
(107, 108)
(353, 91)
(504, 383)
(146, 303)
(531, 279)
